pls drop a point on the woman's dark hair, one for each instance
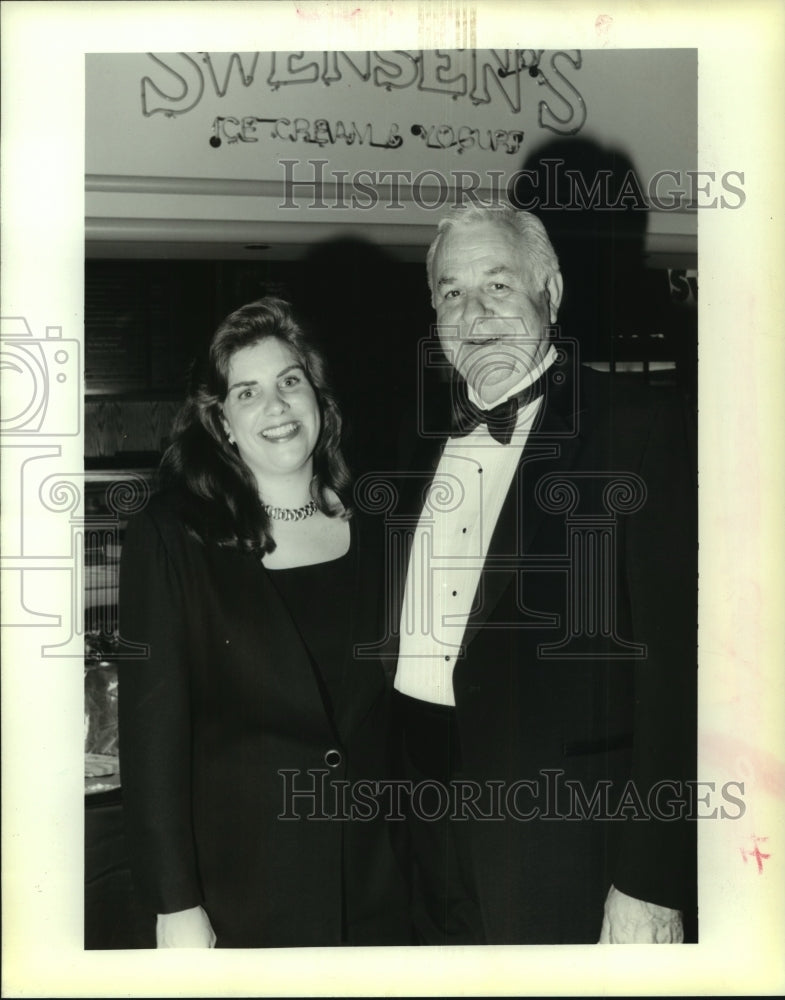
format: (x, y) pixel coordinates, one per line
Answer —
(222, 501)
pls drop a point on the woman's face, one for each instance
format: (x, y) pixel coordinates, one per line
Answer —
(271, 411)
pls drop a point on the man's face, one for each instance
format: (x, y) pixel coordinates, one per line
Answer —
(491, 313)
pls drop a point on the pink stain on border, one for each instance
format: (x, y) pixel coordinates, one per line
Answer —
(602, 25)
(744, 762)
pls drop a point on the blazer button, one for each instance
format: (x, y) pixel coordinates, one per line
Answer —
(333, 758)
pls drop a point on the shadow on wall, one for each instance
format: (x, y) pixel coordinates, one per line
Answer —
(369, 311)
(613, 304)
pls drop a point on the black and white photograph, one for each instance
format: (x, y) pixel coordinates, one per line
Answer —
(389, 501)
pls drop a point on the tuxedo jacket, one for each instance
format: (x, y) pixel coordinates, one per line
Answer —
(578, 670)
(225, 700)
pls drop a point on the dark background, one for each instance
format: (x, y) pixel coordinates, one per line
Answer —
(146, 320)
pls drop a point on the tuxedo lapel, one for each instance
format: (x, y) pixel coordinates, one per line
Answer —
(553, 446)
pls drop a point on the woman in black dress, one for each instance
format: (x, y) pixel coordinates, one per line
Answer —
(246, 729)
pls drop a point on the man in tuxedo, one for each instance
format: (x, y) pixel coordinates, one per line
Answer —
(546, 667)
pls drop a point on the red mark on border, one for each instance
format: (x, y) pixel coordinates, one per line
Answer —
(756, 853)
(602, 24)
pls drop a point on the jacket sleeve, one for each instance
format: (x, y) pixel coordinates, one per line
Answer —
(657, 861)
(154, 711)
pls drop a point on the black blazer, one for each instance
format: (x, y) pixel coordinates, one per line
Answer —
(226, 699)
(540, 699)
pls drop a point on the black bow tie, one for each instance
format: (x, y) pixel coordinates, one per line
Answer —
(501, 419)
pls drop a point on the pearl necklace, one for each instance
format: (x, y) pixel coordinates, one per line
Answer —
(291, 513)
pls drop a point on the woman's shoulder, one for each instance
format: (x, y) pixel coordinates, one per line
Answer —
(168, 513)
(162, 506)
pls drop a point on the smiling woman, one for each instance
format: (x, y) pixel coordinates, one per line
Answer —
(260, 430)
(271, 414)
(251, 585)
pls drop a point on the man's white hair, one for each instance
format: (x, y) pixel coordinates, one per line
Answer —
(527, 228)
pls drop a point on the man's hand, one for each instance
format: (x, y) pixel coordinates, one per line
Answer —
(631, 921)
(184, 929)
